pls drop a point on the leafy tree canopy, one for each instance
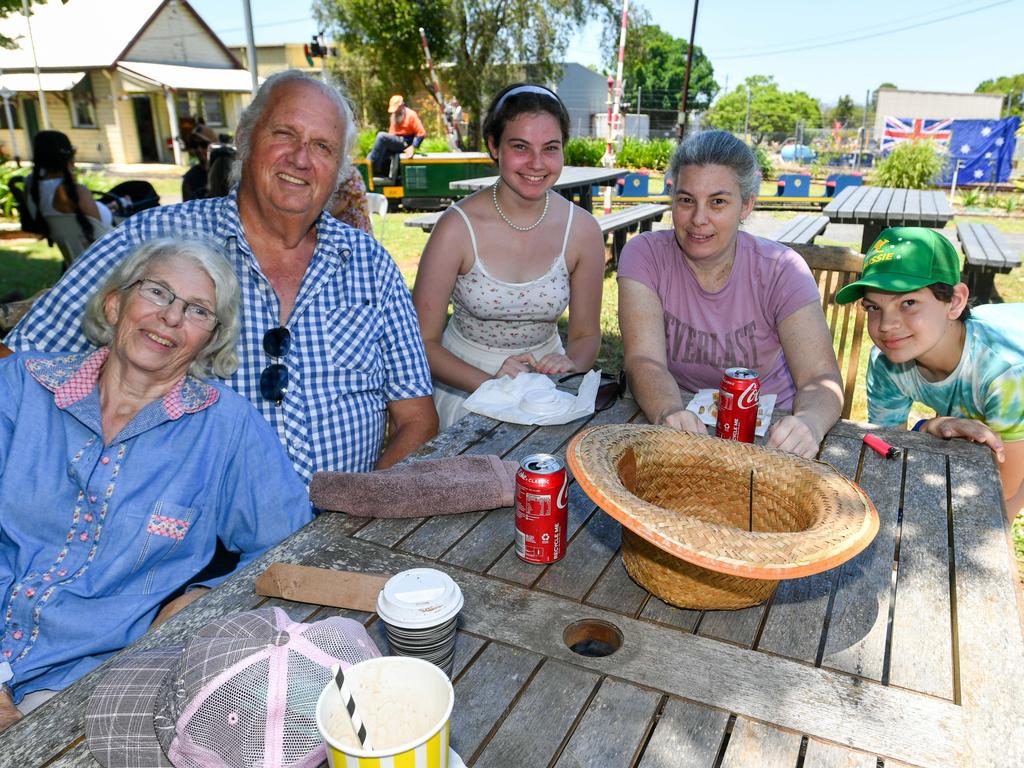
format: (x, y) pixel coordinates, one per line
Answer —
(771, 109)
(484, 45)
(1011, 84)
(7, 7)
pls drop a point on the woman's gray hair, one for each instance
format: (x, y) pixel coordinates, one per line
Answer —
(251, 116)
(218, 358)
(718, 148)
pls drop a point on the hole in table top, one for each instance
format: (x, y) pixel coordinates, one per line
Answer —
(592, 637)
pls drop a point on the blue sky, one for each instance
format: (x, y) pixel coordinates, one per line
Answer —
(824, 47)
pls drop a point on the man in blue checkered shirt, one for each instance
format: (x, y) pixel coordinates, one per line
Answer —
(330, 349)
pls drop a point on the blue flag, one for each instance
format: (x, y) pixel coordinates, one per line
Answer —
(984, 150)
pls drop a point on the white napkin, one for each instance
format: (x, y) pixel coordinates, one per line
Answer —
(531, 398)
(705, 405)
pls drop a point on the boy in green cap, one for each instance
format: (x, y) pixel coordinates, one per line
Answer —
(931, 348)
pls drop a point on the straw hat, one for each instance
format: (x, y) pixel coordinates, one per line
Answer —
(714, 524)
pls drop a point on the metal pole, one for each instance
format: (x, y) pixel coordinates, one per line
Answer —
(6, 96)
(617, 109)
(746, 120)
(172, 113)
(250, 42)
(35, 66)
(689, 64)
(952, 187)
(638, 90)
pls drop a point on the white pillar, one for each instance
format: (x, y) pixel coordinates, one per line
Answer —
(35, 65)
(172, 113)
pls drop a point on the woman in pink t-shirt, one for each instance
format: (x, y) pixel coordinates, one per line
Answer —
(704, 297)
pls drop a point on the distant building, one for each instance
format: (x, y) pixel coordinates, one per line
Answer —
(122, 78)
(935, 105)
(277, 57)
(585, 94)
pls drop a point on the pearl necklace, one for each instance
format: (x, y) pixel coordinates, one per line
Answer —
(507, 220)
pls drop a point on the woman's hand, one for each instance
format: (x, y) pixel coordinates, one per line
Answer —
(554, 363)
(948, 427)
(683, 420)
(794, 435)
(516, 364)
(9, 713)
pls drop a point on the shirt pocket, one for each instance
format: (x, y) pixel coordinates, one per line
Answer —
(166, 539)
(355, 336)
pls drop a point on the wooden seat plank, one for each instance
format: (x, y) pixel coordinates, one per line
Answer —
(426, 222)
(801, 229)
(687, 735)
(613, 728)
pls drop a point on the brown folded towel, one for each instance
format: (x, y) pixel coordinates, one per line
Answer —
(419, 488)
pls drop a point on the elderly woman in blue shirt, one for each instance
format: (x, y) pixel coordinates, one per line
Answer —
(120, 469)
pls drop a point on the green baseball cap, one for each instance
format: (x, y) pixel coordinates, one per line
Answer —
(903, 259)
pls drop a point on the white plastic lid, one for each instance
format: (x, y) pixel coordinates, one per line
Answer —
(419, 597)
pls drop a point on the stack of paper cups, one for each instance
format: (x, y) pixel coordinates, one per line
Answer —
(420, 608)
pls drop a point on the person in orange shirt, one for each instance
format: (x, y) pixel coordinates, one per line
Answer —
(405, 133)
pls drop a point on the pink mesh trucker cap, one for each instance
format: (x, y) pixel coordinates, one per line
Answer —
(242, 691)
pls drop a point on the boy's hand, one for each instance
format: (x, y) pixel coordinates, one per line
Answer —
(948, 427)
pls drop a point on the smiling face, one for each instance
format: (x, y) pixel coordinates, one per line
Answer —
(158, 342)
(529, 154)
(296, 151)
(916, 326)
(707, 210)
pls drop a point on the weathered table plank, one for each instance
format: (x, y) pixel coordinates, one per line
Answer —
(687, 736)
(755, 745)
(615, 591)
(822, 755)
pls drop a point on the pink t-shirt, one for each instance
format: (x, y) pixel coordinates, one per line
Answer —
(705, 333)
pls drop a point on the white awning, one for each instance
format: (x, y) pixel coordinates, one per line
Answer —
(189, 78)
(52, 81)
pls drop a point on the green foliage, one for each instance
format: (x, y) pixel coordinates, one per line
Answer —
(434, 144)
(1011, 203)
(771, 110)
(655, 62)
(970, 197)
(6, 196)
(912, 165)
(364, 142)
(583, 151)
(653, 154)
(764, 162)
(1011, 84)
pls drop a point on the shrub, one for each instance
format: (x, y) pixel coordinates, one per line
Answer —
(364, 142)
(434, 144)
(653, 154)
(969, 197)
(6, 196)
(1011, 203)
(764, 161)
(585, 152)
(912, 165)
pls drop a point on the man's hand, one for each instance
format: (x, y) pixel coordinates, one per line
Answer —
(409, 151)
(9, 713)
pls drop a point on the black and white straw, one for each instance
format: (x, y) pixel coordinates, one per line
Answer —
(350, 707)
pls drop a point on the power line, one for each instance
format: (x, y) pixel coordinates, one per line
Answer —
(859, 37)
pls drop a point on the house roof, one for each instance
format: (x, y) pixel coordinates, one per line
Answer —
(51, 81)
(188, 78)
(85, 34)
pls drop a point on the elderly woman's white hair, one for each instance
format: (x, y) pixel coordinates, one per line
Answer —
(252, 114)
(218, 358)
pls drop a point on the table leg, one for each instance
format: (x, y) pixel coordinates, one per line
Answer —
(871, 233)
(586, 199)
(981, 284)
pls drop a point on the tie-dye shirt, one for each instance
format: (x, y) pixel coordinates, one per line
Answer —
(987, 385)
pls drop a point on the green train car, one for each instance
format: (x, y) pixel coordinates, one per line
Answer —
(420, 183)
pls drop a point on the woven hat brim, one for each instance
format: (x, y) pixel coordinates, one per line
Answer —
(594, 454)
(119, 726)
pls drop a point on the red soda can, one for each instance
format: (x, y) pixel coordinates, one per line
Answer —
(542, 504)
(738, 396)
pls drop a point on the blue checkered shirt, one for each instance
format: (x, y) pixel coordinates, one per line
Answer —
(355, 345)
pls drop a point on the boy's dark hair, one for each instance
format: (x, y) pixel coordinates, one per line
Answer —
(944, 293)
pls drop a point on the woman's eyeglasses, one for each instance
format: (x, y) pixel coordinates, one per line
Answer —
(611, 389)
(274, 379)
(162, 296)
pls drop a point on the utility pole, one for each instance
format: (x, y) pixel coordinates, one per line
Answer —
(250, 42)
(686, 77)
(35, 65)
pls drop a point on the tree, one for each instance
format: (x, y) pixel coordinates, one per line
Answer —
(844, 110)
(7, 7)
(487, 44)
(655, 62)
(771, 110)
(1009, 84)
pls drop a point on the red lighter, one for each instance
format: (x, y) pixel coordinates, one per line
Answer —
(879, 446)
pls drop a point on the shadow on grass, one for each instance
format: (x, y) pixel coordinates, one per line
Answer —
(27, 267)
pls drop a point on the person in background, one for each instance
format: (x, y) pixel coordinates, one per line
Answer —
(330, 350)
(931, 348)
(704, 296)
(121, 467)
(66, 211)
(350, 205)
(405, 133)
(510, 259)
(194, 182)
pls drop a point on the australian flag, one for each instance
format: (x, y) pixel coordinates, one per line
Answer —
(983, 148)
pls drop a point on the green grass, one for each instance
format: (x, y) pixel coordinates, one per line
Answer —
(28, 266)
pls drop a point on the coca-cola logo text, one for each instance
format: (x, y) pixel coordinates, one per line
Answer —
(748, 397)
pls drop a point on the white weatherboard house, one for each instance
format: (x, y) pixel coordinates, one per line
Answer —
(122, 78)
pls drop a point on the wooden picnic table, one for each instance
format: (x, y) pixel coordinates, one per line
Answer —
(573, 182)
(911, 653)
(880, 207)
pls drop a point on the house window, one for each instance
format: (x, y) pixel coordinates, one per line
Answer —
(181, 103)
(213, 108)
(83, 104)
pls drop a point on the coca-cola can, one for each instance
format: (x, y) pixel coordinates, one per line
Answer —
(542, 505)
(738, 396)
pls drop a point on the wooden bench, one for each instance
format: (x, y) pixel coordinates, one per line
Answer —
(801, 229)
(425, 222)
(621, 223)
(986, 254)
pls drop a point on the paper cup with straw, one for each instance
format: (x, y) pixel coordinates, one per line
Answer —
(403, 705)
